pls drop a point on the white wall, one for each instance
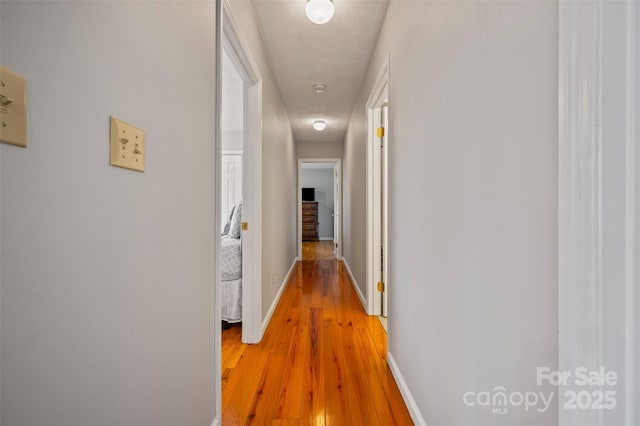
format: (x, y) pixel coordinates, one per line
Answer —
(231, 138)
(620, 206)
(319, 150)
(473, 201)
(354, 193)
(278, 168)
(107, 276)
(322, 181)
(232, 107)
(619, 246)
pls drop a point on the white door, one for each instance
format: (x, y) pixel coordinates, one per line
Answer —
(231, 184)
(377, 197)
(384, 207)
(379, 210)
(336, 210)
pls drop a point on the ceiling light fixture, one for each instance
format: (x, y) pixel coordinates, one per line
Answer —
(319, 88)
(319, 11)
(319, 125)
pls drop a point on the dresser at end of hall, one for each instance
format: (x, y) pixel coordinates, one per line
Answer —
(310, 221)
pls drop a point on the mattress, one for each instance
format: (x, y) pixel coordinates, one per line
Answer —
(231, 259)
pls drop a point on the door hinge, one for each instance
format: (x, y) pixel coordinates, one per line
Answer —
(245, 226)
(380, 286)
(380, 132)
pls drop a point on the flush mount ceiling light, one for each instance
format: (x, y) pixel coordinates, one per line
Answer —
(319, 11)
(319, 88)
(319, 125)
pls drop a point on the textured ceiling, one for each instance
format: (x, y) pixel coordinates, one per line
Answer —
(302, 54)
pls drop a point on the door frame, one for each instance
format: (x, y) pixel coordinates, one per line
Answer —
(379, 93)
(337, 208)
(229, 38)
(239, 53)
(598, 44)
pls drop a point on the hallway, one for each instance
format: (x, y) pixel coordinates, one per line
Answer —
(511, 160)
(321, 361)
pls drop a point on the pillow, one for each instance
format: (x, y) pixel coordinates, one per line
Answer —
(227, 225)
(236, 221)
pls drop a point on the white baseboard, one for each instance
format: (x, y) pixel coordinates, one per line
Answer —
(326, 238)
(416, 415)
(355, 284)
(267, 319)
(215, 422)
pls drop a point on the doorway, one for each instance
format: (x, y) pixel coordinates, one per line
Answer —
(320, 203)
(377, 197)
(242, 178)
(243, 134)
(231, 254)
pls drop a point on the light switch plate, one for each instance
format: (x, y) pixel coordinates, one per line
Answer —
(13, 108)
(127, 146)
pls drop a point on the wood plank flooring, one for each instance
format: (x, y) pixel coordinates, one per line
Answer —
(321, 360)
(320, 250)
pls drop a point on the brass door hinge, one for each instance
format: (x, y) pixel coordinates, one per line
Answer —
(245, 226)
(380, 132)
(380, 286)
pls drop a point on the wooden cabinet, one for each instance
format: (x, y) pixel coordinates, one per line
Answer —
(310, 221)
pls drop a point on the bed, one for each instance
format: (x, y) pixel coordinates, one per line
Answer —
(231, 269)
(231, 283)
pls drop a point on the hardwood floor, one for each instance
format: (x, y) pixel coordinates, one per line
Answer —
(318, 250)
(321, 361)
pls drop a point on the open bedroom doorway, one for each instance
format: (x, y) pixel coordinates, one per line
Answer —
(240, 159)
(319, 207)
(231, 256)
(238, 151)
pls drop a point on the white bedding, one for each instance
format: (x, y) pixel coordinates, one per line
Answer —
(231, 284)
(231, 300)
(231, 259)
